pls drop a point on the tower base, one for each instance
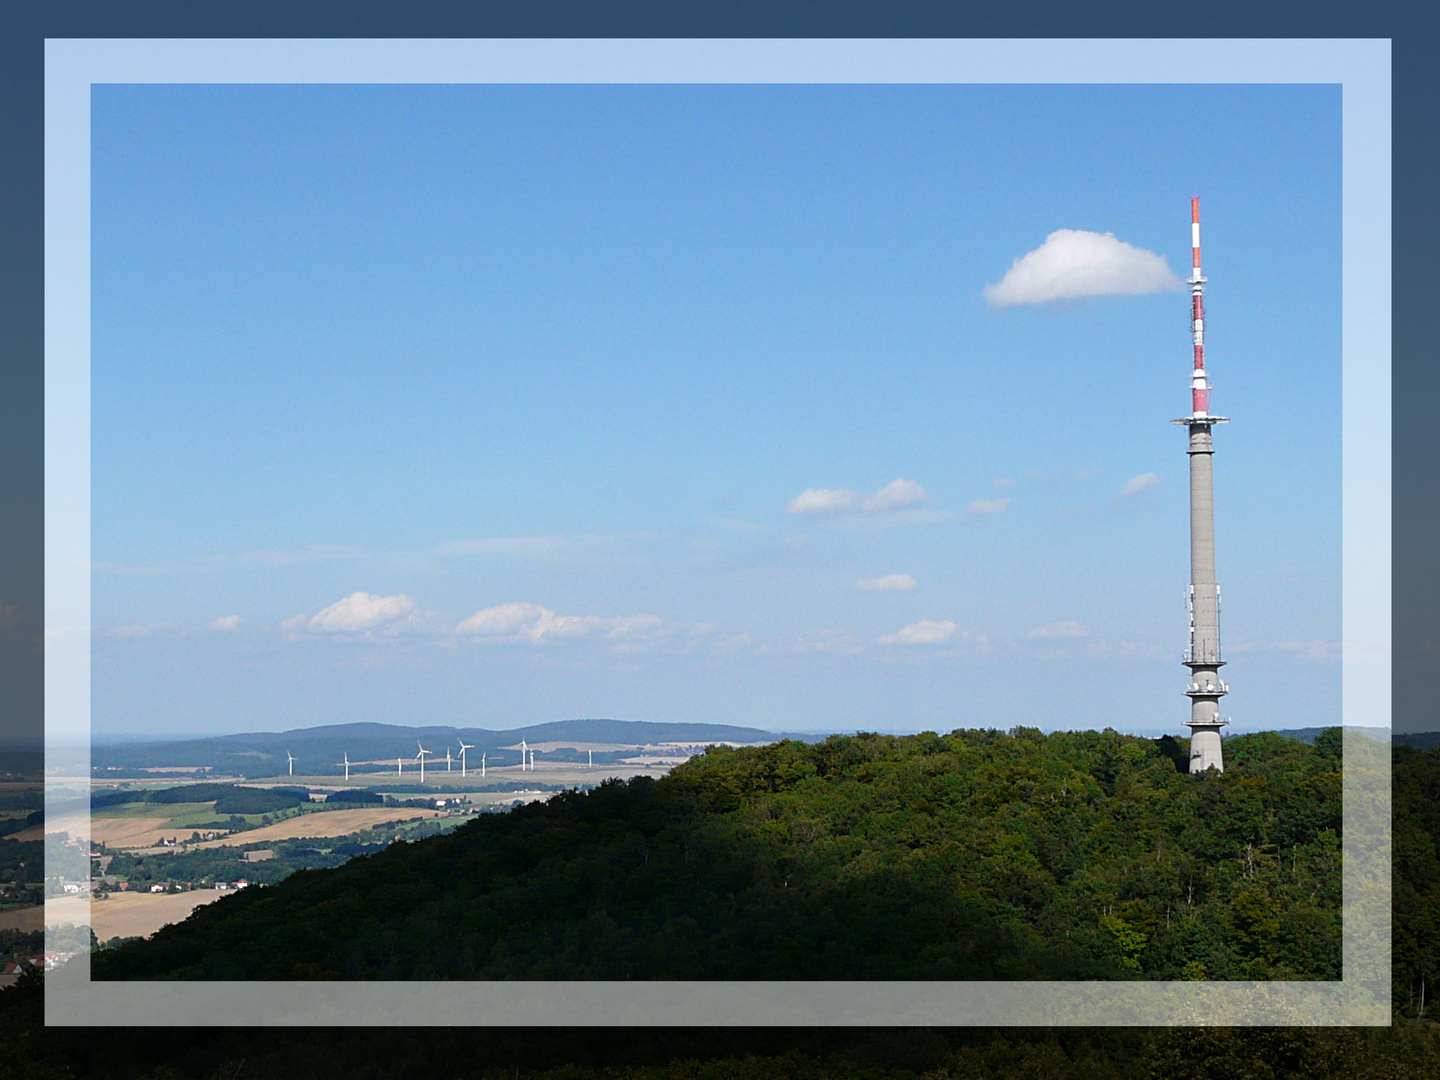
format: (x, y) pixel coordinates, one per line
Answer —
(1205, 751)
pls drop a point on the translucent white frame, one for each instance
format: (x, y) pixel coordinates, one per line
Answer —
(1360, 67)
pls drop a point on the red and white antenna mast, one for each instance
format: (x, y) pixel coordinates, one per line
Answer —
(1199, 384)
(1205, 688)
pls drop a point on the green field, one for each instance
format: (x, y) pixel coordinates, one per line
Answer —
(199, 815)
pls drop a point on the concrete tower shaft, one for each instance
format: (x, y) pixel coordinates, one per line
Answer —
(1204, 592)
(1203, 656)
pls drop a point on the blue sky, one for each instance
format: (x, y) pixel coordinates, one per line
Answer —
(496, 405)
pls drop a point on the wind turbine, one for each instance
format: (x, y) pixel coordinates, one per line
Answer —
(292, 762)
(463, 748)
(482, 765)
(447, 759)
(592, 758)
(399, 766)
(346, 763)
(420, 757)
(523, 751)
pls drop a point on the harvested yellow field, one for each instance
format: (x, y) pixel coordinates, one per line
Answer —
(120, 832)
(129, 914)
(325, 823)
(131, 832)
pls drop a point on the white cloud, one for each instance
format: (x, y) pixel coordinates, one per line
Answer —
(535, 624)
(1137, 484)
(358, 611)
(228, 622)
(1074, 263)
(924, 632)
(888, 583)
(1051, 631)
(635, 627)
(527, 622)
(895, 495)
(989, 506)
(1003, 481)
(823, 501)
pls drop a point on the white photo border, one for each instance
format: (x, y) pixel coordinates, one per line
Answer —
(1361, 67)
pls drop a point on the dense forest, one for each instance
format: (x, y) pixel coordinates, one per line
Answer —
(975, 855)
(1409, 1050)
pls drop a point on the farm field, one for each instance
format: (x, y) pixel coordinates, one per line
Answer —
(184, 815)
(26, 918)
(326, 823)
(130, 914)
(141, 826)
(119, 831)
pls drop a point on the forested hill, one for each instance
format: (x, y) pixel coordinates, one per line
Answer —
(975, 855)
(1421, 740)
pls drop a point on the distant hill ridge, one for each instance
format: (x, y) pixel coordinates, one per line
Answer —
(1421, 740)
(317, 750)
